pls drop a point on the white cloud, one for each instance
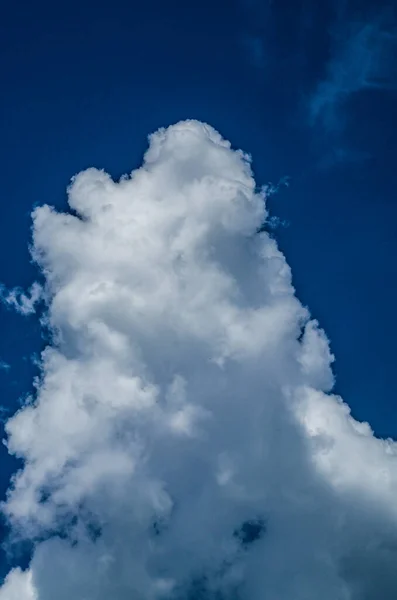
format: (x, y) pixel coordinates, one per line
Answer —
(21, 302)
(182, 436)
(18, 586)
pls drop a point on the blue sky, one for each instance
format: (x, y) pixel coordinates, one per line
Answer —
(309, 89)
(83, 84)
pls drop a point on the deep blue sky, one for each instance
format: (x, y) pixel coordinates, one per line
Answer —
(307, 87)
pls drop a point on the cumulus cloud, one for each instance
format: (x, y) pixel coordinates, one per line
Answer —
(183, 441)
(363, 57)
